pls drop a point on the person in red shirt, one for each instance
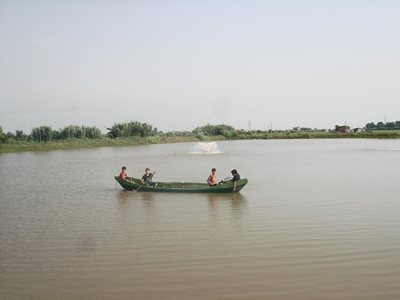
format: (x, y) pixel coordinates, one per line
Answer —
(212, 179)
(123, 174)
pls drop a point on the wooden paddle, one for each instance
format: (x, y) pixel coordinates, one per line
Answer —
(139, 187)
(223, 180)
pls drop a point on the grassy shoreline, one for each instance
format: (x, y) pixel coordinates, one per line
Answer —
(90, 143)
(118, 142)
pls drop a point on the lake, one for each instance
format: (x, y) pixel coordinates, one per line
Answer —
(319, 219)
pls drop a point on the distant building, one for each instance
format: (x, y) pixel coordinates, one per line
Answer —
(342, 129)
(359, 129)
(301, 129)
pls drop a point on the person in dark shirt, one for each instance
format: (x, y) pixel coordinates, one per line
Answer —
(147, 178)
(235, 178)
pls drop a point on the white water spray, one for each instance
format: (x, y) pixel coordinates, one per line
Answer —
(206, 148)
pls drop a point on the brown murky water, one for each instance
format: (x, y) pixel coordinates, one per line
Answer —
(319, 219)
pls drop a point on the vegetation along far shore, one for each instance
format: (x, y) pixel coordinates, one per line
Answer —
(136, 133)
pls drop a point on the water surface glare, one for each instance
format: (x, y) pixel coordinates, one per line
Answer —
(319, 219)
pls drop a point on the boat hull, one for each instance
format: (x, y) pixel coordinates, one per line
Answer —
(134, 184)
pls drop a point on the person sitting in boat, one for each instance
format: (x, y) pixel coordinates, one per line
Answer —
(212, 179)
(147, 178)
(123, 175)
(235, 178)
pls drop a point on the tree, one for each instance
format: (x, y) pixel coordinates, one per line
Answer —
(10, 137)
(20, 135)
(380, 125)
(131, 129)
(42, 134)
(92, 133)
(370, 126)
(390, 125)
(2, 136)
(211, 130)
(56, 135)
(79, 132)
(71, 131)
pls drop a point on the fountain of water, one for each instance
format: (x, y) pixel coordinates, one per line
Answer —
(206, 148)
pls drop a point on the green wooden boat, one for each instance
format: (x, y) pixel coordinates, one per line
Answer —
(134, 184)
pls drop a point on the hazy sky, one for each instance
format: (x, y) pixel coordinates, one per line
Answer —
(182, 64)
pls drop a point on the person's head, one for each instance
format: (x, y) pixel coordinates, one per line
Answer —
(123, 169)
(147, 170)
(213, 170)
(234, 172)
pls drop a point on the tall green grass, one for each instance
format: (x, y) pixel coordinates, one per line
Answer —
(396, 131)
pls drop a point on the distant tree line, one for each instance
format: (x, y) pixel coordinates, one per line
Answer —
(137, 129)
(381, 125)
(47, 134)
(129, 129)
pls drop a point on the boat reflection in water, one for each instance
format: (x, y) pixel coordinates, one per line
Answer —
(217, 203)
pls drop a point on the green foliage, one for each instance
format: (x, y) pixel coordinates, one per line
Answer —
(93, 132)
(370, 126)
(17, 137)
(2, 136)
(42, 134)
(213, 130)
(10, 137)
(153, 139)
(380, 125)
(47, 134)
(131, 129)
(136, 133)
(56, 135)
(71, 131)
(21, 136)
(383, 126)
(79, 132)
(201, 137)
